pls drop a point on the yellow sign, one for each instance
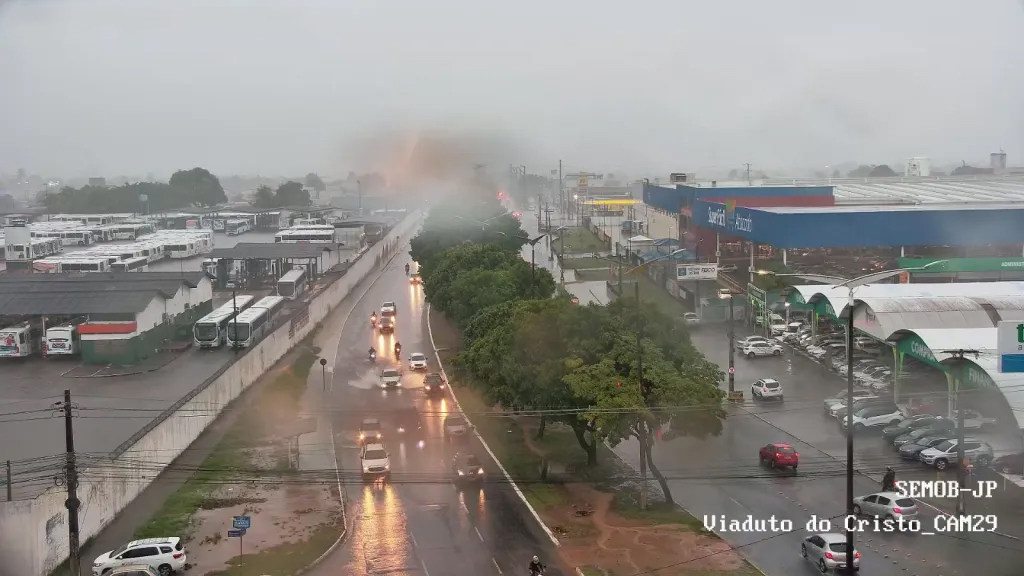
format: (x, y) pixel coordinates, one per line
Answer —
(582, 183)
(614, 202)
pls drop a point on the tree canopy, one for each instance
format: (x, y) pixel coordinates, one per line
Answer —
(195, 187)
(527, 350)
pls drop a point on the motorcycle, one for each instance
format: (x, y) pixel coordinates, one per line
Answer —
(373, 356)
(373, 321)
(398, 353)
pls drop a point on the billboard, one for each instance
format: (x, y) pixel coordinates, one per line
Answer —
(696, 271)
(1011, 346)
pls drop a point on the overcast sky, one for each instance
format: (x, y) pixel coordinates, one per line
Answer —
(105, 87)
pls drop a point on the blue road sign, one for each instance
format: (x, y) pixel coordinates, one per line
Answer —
(236, 533)
(242, 522)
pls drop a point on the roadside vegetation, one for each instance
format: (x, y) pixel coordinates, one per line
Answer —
(553, 386)
(578, 240)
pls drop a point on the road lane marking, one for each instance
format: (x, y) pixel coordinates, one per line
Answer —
(424, 564)
(464, 508)
(413, 538)
(737, 503)
(496, 567)
(478, 534)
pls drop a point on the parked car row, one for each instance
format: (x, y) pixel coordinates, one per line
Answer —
(869, 367)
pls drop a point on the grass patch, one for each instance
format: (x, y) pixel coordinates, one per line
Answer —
(285, 559)
(627, 505)
(276, 402)
(578, 239)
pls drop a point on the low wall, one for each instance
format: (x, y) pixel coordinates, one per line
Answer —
(34, 533)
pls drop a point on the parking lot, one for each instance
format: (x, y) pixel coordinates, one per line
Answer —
(108, 409)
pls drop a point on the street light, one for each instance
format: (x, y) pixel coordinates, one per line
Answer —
(726, 294)
(642, 427)
(533, 247)
(483, 224)
(851, 285)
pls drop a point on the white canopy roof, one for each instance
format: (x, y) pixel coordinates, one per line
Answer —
(641, 238)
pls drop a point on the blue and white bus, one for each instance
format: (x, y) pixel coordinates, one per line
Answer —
(248, 327)
(293, 284)
(211, 331)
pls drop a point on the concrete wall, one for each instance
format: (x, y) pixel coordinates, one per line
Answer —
(33, 533)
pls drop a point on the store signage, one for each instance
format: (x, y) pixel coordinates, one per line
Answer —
(1011, 346)
(743, 224)
(916, 348)
(696, 271)
(716, 216)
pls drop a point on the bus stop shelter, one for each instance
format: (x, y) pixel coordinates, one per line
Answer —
(260, 261)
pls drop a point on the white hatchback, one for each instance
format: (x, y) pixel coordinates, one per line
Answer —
(390, 378)
(743, 343)
(763, 348)
(766, 389)
(417, 361)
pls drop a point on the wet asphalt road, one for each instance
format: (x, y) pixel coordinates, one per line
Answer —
(418, 523)
(721, 476)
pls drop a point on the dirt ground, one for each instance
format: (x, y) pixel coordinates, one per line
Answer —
(598, 540)
(281, 513)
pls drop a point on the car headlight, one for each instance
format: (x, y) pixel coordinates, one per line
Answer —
(480, 472)
(461, 473)
(401, 428)
(362, 436)
(378, 435)
(387, 465)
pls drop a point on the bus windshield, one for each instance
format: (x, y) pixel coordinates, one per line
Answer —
(238, 332)
(285, 288)
(206, 332)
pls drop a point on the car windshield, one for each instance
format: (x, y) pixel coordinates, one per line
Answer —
(371, 426)
(924, 441)
(390, 373)
(909, 424)
(388, 305)
(838, 547)
(945, 446)
(206, 332)
(472, 461)
(432, 379)
(905, 502)
(418, 357)
(119, 551)
(375, 455)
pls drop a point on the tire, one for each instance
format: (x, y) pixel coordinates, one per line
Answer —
(750, 356)
(856, 510)
(165, 570)
(794, 469)
(803, 550)
(894, 423)
(941, 464)
(858, 427)
(107, 571)
(822, 566)
(984, 461)
(776, 353)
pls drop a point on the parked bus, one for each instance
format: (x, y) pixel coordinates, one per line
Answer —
(236, 227)
(248, 327)
(140, 264)
(18, 341)
(131, 231)
(84, 264)
(211, 330)
(63, 339)
(306, 236)
(292, 284)
(274, 305)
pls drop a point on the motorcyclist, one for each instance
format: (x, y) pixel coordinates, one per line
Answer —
(406, 268)
(536, 567)
(398, 349)
(373, 319)
(889, 480)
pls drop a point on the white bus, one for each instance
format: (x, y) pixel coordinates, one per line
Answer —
(248, 327)
(18, 341)
(272, 304)
(211, 330)
(131, 231)
(78, 237)
(306, 236)
(84, 264)
(63, 339)
(140, 264)
(236, 227)
(292, 284)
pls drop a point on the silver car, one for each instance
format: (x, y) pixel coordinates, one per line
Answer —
(885, 505)
(828, 552)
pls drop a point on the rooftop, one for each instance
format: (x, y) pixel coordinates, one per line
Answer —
(191, 279)
(851, 208)
(71, 303)
(271, 251)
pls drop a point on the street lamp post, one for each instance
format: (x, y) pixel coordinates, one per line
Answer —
(727, 294)
(323, 372)
(851, 285)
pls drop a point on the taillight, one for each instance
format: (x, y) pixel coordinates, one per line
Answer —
(178, 555)
(856, 554)
(897, 510)
(829, 556)
(797, 455)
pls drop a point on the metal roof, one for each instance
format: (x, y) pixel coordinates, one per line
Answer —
(268, 251)
(838, 296)
(854, 208)
(884, 316)
(165, 283)
(98, 302)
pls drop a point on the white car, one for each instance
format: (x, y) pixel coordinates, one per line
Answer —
(727, 268)
(375, 462)
(388, 309)
(691, 319)
(165, 555)
(873, 416)
(973, 420)
(762, 349)
(744, 342)
(417, 361)
(390, 378)
(766, 389)
(839, 401)
(779, 326)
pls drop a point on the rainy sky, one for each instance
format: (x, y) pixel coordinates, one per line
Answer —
(106, 87)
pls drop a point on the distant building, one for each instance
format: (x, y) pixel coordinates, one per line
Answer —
(919, 166)
(997, 162)
(98, 182)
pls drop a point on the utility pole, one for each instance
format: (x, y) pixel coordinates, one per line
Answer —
(961, 468)
(71, 471)
(642, 422)
(561, 191)
(748, 172)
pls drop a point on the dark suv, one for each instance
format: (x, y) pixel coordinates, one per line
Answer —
(433, 384)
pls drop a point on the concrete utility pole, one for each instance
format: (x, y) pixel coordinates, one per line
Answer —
(748, 173)
(961, 464)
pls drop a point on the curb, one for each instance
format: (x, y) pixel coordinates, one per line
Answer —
(451, 391)
(337, 470)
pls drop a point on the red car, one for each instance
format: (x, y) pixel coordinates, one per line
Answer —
(779, 456)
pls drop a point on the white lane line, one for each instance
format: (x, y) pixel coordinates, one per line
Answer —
(413, 538)
(496, 567)
(424, 564)
(464, 508)
(737, 503)
(478, 534)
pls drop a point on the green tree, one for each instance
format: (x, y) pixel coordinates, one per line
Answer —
(313, 181)
(292, 193)
(461, 220)
(264, 197)
(441, 271)
(200, 187)
(882, 171)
